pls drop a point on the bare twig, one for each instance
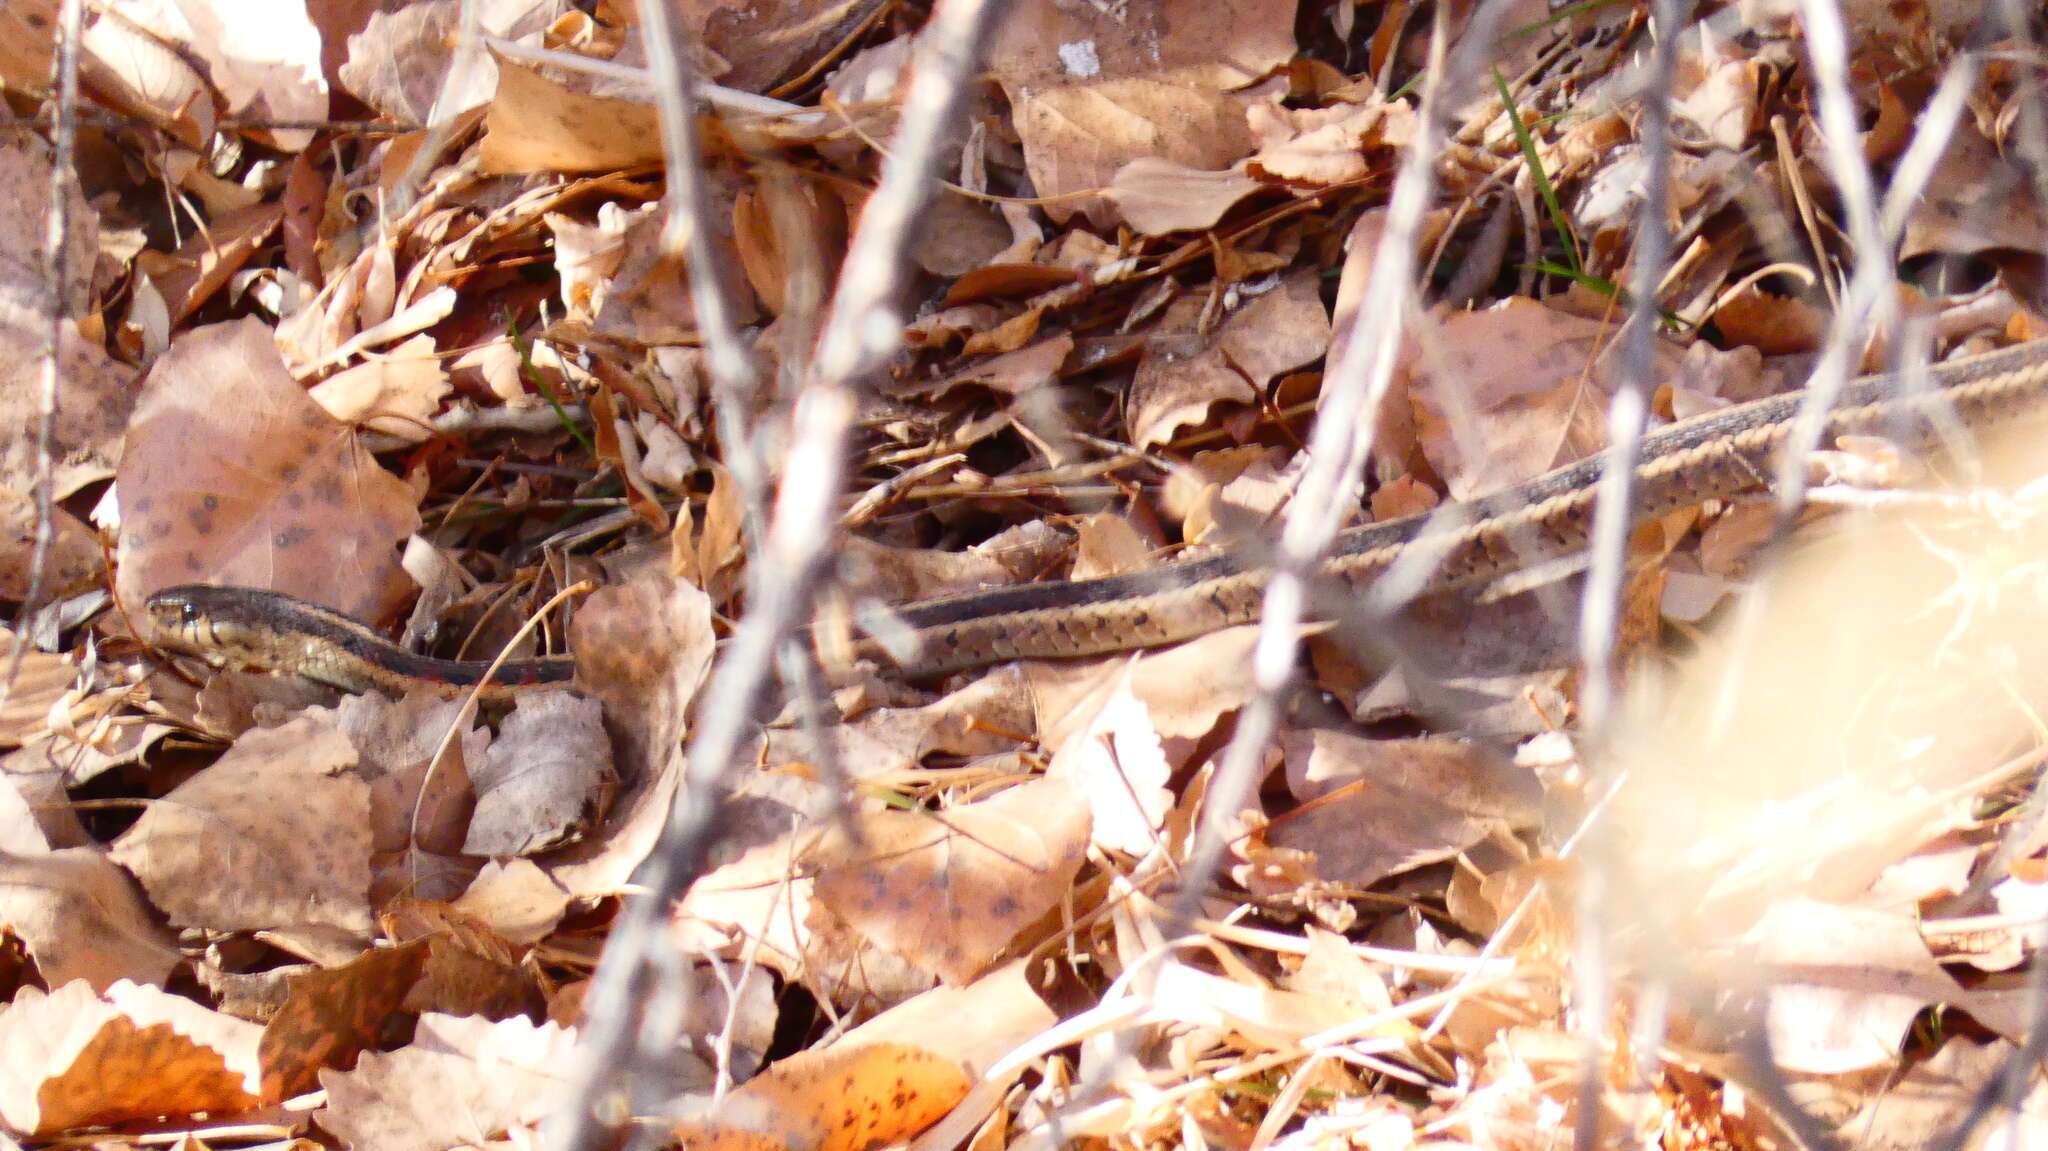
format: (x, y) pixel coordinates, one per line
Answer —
(1352, 391)
(1628, 414)
(56, 271)
(861, 331)
(1629, 411)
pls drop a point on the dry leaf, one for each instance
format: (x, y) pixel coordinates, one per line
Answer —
(1115, 761)
(81, 918)
(1157, 196)
(643, 649)
(542, 776)
(1311, 147)
(77, 1059)
(842, 1098)
(1374, 808)
(273, 833)
(516, 899)
(537, 125)
(396, 393)
(329, 1017)
(1844, 984)
(950, 890)
(459, 1081)
(232, 476)
(1185, 373)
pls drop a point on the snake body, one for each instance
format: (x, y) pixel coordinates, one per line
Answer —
(1709, 457)
(246, 627)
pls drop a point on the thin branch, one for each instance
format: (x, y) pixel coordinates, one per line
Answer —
(1345, 427)
(56, 271)
(861, 331)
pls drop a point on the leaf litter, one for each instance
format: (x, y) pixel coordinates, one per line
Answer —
(376, 367)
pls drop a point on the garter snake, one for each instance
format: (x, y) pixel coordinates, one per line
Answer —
(1708, 457)
(252, 628)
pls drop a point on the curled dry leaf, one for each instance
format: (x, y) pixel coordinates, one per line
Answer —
(274, 833)
(45, 680)
(1716, 91)
(232, 475)
(950, 890)
(841, 1098)
(207, 261)
(1319, 147)
(77, 1059)
(395, 393)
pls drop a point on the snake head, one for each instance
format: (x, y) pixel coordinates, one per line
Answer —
(200, 619)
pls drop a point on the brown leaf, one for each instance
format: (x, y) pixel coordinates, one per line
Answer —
(1374, 808)
(541, 777)
(395, 742)
(1014, 373)
(759, 41)
(1185, 372)
(1077, 136)
(45, 680)
(1157, 196)
(81, 918)
(209, 259)
(330, 1016)
(233, 476)
(1318, 147)
(75, 1059)
(516, 899)
(643, 649)
(272, 834)
(1092, 89)
(394, 393)
(950, 890)
(537, 125)
(838, 1099)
